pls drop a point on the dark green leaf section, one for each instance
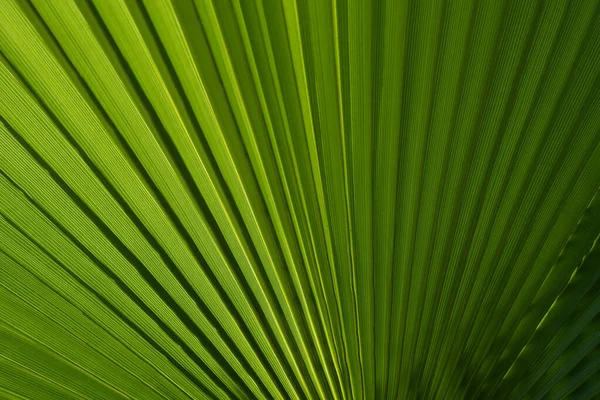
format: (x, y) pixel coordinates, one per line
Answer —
(323, 199)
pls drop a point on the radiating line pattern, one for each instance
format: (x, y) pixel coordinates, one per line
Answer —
(303, 199)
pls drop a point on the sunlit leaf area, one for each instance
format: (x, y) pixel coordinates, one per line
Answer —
(300, 199)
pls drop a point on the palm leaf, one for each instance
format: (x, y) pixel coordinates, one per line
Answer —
(342, 199)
